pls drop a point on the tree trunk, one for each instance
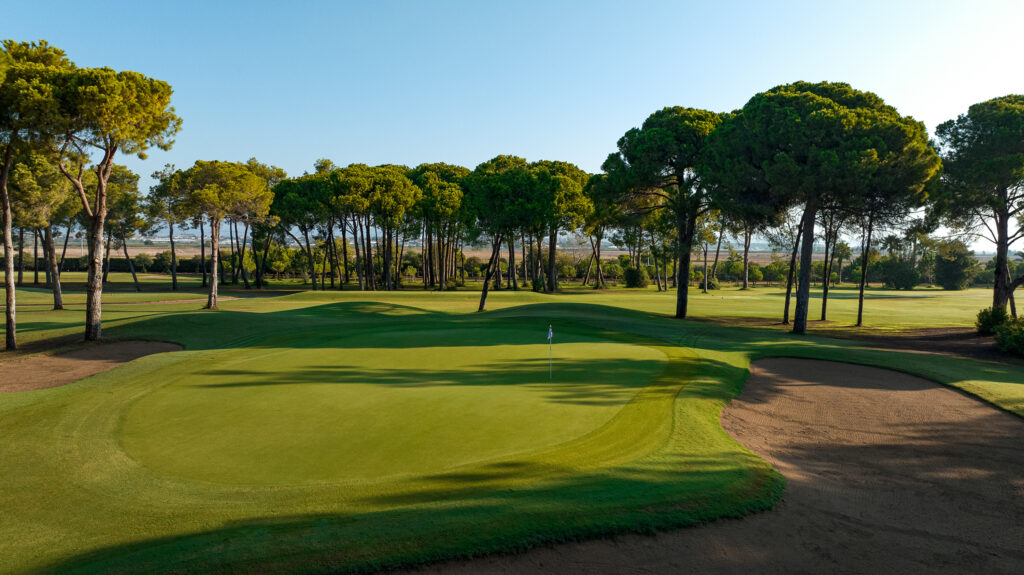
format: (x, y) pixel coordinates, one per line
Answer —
(791, 275)
(1001, 291)
(211, 300)
(202, 249)
(552, 265)
(10, 327)
(233, 249)
(371, 274)
(131, 266)
(94, 296)
(865, 259)
(241, 254)
(685, 233)
(498, 271)
(803, 290)
(21, 255)
(51, 261)
(706, 270)
(718, 248)
(46, 259)
(826, 273)
(512, 264)
(64, 252)
(309, 256)
(360, 264)
(106, 269)
(491, 264)
(323, 268)
(746, 257)
(35, 257)
(174, 256)
(262, 272)
(344, 253)
(522, 253)
(335, 263)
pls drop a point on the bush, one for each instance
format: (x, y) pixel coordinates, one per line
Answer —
(898, 273)
(1010, 336)
(162, 262)
(712, 283)
(990, 318)
(612, 271)
(955, 266)
(636, 278)
(143, 261)
(567, 272)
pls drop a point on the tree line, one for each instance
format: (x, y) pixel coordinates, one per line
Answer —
(798, 164)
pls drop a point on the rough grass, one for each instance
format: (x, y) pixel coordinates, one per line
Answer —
(325, 432)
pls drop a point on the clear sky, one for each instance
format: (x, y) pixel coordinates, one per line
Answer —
(410, 82)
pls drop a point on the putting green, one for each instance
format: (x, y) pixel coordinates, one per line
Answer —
(379, 404)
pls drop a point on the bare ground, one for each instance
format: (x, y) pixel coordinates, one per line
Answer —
(43, 371)
(887, 473)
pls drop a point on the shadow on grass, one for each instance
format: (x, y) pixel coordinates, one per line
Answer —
(446, 523)
(570, 386)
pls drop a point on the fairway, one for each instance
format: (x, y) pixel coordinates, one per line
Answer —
(350, 431)
(373, 405)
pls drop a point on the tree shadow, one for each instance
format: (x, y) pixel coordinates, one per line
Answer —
(447, 522)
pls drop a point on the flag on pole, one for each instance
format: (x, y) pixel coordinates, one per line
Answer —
(550, 335)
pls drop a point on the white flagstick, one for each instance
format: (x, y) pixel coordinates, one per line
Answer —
(550, 335)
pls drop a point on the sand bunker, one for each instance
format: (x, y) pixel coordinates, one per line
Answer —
(44, 371)
(887, 473)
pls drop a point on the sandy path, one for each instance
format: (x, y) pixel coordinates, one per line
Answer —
(887, 473)
(44, 371)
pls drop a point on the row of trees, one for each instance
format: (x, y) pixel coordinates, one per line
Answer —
(798, 164)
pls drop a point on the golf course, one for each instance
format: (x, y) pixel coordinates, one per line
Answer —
(350, 432)
(511, 288)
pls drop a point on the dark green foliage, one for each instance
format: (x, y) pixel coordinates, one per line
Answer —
(955, 266)
(636, 277)
(991, 318)
(899, 273)
(612, 271)
(1010, 336)
(162, 262)
(143, 261)
(983, 165)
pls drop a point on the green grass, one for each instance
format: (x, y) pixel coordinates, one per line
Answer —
(323, 432)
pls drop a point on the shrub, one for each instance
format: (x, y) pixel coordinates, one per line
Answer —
(955, 266)
(1010, 336)
(636, 277)
(143, 261)
(990, 318)
(567, 272)
(612, 271)
(162, 262)
(712, 283)
(538, 284)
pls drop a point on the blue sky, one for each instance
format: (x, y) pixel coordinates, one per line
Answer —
(410, 82)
